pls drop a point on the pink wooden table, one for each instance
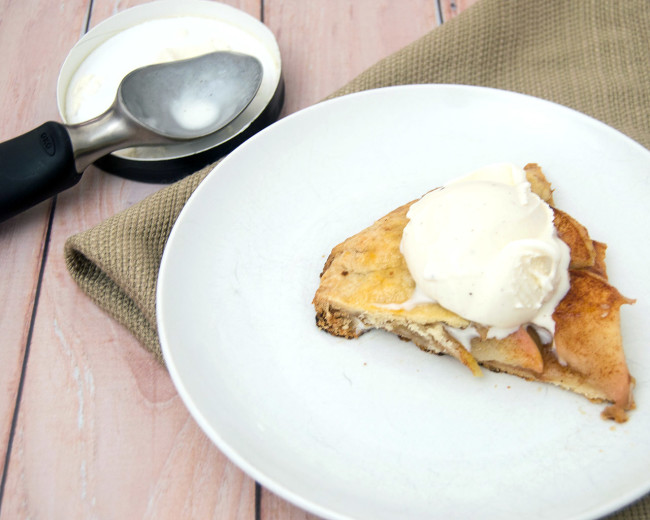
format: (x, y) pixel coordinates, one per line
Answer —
(90, 425)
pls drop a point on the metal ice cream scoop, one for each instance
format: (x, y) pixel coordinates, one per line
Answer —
(155, 105)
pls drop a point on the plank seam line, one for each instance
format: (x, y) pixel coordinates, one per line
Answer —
(88, 15)
(258, 501)
(28, 342)
(439, 20)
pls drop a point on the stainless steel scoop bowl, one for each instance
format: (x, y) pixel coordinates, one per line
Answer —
(154, 105)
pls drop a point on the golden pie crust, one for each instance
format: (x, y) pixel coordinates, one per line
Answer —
(367, 271)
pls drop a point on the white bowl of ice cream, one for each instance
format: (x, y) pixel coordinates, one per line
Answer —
(158, 32)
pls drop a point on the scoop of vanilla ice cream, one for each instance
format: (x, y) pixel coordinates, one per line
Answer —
(485, 247)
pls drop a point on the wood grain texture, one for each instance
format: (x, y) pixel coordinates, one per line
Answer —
(28, 76)
(326, 43)
(101, 431)
(273, 507)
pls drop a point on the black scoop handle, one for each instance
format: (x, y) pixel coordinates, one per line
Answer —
(34, 167)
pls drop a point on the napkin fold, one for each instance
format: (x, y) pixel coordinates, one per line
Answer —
(116, 263)
(590, 55)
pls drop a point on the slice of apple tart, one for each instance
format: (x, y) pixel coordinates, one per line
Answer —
(487, 270)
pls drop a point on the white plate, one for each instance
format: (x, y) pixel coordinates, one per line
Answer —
(374, 428)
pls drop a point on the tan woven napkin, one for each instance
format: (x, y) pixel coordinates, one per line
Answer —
(591, 55)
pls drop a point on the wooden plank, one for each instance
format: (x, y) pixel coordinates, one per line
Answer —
(28, 84)
(325, 44)
(273, 507)
(101, 430)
